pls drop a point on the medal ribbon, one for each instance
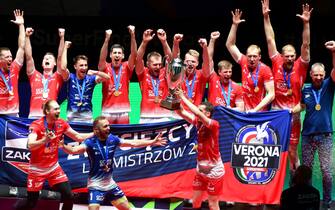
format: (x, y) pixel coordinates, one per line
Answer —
(317, 95)
(104, 154)
(81, 93)
(118, 78)
(155, 85)
(190, 89)
(45, 82)
(255, 80)
(7, 83)
(226, 97)
(48, 130)
(288, 80)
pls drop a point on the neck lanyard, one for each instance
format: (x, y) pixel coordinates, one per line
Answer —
(48, 130)
(8, 82)
(190, 88)
(317, 97)
(255, 80)
(81, 92)
(104, 154)
(155, 85)
(287, 78)
(118, 78)
(45, 82)
(226, 97)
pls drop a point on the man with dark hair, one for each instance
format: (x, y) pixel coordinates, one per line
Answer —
(43, 142)
(115, 91)
(80, 87)
(10, 70)
(100, 149)
(301, 195)
(210, 169)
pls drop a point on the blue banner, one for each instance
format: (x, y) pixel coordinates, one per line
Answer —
(254, 151)
(253, 148)
(129, 163)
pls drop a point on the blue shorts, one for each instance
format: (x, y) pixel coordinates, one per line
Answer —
(98, 196)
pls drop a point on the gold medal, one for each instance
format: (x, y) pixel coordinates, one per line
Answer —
(11, 92)
(116, 93)
(106, 168)
(156, 99)
(317, 107)
(289, 92)
(79, 103)
(45, 95)
(256, 89)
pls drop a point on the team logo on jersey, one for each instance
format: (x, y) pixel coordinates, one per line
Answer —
(256, 154)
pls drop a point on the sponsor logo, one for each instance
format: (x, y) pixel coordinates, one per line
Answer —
(256, 154)
(15, 154)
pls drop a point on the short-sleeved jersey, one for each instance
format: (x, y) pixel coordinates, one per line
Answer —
(9, 104)
(208, 141)
(150, 107)
(46, 156)
(216, 88)
(100, 179)
(55, 82)
(198, 89)
(73, 95)
(250, 97)
(110, 102)
(318, 121)
(297, 77)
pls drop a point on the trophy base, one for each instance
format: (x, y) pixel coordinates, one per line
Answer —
(170, 105)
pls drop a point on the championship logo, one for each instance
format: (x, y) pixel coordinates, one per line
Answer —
(256, 154)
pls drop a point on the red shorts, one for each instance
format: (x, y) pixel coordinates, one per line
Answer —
(35, 180)
(212, 186)
(295, 132)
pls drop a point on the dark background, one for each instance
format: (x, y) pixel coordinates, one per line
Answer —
(86, 21)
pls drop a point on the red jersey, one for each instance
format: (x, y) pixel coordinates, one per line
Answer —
(216, 91)
(194, 87)
(150, 106)
(9, 103)
(251, 97)
(295, 78)
(208, 141)
(116, 100)
(46, 155)
(54, 84)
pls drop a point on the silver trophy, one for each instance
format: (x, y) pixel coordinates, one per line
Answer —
(174, 75)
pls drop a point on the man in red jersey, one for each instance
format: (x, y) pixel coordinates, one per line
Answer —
(289, 75)
(115, 91)
(45, 85)
(194, 81)
(257, 79)
(222, 90)
(210, 169)
(9, 71)
(152, 79)
(43, 142)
